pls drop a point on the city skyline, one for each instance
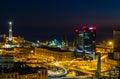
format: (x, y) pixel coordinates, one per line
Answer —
(49, 39)
(58, 19)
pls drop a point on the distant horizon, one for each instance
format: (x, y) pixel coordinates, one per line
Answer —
(46, 19)
(57, 34)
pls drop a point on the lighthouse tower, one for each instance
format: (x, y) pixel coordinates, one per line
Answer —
(10, 32)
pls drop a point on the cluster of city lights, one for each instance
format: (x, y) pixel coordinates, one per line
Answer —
(86, 29)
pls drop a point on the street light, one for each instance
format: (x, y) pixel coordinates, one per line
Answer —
(110, 43)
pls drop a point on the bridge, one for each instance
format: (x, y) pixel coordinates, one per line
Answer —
(56, 71)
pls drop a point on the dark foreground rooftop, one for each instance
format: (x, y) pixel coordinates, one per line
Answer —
(21, 69)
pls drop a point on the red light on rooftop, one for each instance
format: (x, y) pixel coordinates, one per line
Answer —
(76, 30)
(84, 27)
(94, 27)
(92, 31)
(84, 30)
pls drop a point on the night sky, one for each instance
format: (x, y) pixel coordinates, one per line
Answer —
(49, 19)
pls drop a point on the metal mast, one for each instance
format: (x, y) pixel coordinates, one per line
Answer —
(98, 72)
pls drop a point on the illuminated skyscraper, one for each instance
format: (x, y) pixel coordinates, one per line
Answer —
(10, 32)
(80, 40)
(116, 38)
(76, 37)
(86, 40)
(89, 35)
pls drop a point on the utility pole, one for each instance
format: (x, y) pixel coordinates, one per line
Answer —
(118, 65)
(98, 72)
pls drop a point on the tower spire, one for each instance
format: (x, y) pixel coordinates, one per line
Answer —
(10, 32)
